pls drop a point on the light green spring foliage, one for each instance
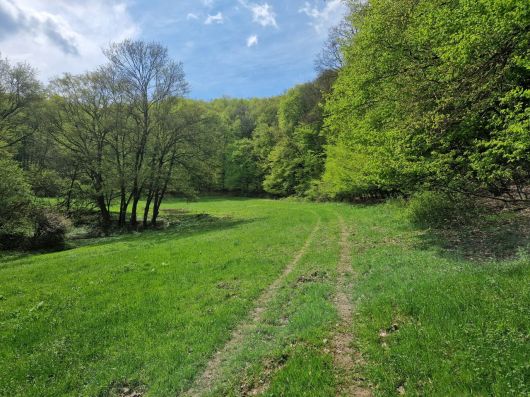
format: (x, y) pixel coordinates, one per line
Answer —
(433, 92)
(273, 145)
(242, 170)
(16, 200)
(297, 159)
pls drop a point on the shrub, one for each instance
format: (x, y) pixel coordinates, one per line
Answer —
(50, 229)
(440, 210)
(16, 204)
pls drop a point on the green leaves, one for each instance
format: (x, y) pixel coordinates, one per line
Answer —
(433, 93)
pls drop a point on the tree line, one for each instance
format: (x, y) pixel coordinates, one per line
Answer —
(411, 96)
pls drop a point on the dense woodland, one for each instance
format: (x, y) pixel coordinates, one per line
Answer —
(411, 96)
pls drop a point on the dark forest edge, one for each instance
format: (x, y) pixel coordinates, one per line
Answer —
(427, 99)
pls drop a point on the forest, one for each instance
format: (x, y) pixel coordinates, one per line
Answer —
(411, 97)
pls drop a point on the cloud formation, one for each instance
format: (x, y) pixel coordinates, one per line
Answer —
(262, 14)
(252, 40)
(62, 35)
(208, 3)
(217, 18)
(16, 19)
(325, 18)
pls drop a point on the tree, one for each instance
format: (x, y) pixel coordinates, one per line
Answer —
(19, 90)
(243, 172)
(82, 125)
(151, 78)
(432, 96)
(297, 158)
(331, 58)
(179, 144)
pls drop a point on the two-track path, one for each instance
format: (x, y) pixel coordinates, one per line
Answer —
(346, 360)
(206, 381)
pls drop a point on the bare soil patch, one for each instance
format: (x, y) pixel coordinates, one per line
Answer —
(346, 359)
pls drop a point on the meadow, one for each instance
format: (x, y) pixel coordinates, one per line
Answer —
(148, 313)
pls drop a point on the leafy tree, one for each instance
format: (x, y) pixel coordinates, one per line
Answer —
(243, 173)
(150, 77)
(297, 158)
(182, 143)
(82, 126)
(19, 90)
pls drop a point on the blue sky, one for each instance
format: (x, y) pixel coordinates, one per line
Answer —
(237, 48)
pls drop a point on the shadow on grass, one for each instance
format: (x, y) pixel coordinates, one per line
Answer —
(181, 225)
(487, 237)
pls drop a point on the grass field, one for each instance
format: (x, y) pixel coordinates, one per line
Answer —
(145, 314)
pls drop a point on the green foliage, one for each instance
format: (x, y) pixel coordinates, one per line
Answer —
(433, 94)
(16, 202)
(20, 92)
(440, 210)
(297, 159)
(242, 169)
(45, 182)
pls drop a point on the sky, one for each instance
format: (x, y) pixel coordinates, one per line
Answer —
(235, 48)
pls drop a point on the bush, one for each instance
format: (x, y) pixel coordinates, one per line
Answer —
(16, 205)
(50, 229)
(440, 210)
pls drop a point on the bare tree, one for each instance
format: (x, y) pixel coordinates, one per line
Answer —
(151, 77)
(331, 57)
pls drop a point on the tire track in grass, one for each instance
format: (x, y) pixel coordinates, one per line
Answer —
(207, 380)
(345, 359)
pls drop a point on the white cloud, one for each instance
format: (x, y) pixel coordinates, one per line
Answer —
(262, 14)
(208, 3)
(191, 15)
(252, 40)
(217, 18)
(323, 19)
(61, 35)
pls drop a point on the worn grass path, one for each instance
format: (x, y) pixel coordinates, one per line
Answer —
(347, 361)
(205, 382)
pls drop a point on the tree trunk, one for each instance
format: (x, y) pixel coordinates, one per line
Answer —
(134, 209)
(124, 204)
(156, 208)
(148, 200)
(70, 191)
(105, 214)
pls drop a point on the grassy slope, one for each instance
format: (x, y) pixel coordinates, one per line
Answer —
(152, 308)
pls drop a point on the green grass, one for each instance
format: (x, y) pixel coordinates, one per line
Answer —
(463, 324)
(148, 310)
